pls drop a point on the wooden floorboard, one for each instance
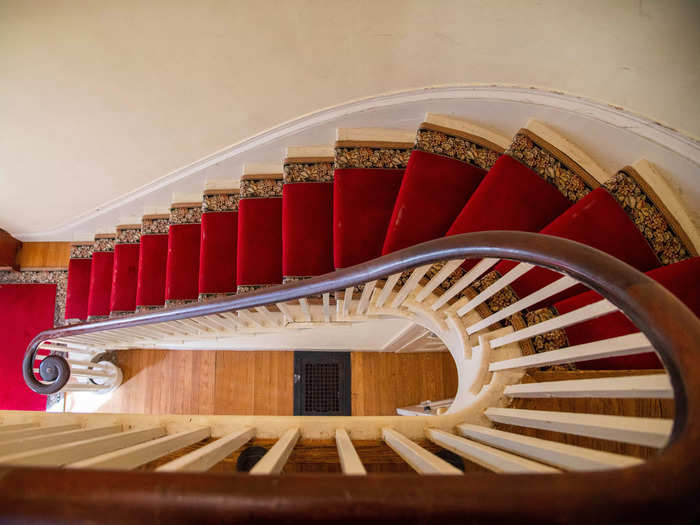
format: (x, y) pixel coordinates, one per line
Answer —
(261, 383)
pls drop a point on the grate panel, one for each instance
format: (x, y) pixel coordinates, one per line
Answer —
(322, 383)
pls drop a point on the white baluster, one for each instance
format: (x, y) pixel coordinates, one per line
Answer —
(273, 462)
(204, 458)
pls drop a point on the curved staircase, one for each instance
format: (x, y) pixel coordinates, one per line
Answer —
(554, 324)
(378, 191)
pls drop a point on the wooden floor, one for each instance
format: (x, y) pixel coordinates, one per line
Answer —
(261, 383)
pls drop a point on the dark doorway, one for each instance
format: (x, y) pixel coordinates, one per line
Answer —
(322, 384)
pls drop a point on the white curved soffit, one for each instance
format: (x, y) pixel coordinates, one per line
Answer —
(406, 109)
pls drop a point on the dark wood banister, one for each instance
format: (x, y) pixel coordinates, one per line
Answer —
(663, 489)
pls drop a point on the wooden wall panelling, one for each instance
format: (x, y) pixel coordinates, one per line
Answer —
(261, 383)
(44, 255)
(382, 382)
(234, 383)
(274, 383)
(165, 382)
(254, 383)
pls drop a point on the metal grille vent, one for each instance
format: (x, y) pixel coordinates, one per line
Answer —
(322, 384)
(322, 393)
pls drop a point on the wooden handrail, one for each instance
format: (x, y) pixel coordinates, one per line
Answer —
(664, 489)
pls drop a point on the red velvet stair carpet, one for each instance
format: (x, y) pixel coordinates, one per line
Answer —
(125, 270)
(78, 290)
(624, 218)
(182, 270)
(307, 213)
(100, 292)
(602, 221)
(218, 241)
(153, 258)
(26, 310)
(528, 186)
(448, 163)
(380, 190)
(533, 182)
(259, 251)
(369, 166)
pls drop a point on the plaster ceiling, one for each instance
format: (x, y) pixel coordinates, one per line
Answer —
(100, 98)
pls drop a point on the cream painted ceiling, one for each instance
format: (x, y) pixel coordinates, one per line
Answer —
(100, 98)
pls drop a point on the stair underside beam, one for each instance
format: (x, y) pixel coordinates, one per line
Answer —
(421, 460)
(617, 346)
(559, 455)
(488, 457)
(273, 462)
(647, 386)
(142, 453)
(349, 460)
(650, 432)
(204, 458)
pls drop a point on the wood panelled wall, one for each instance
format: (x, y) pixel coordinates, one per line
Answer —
(253, 383)
(44, 255)
(261, 383)
(381, 382)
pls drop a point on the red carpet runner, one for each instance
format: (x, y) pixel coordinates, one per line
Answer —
(598, 221)
(367, 180)
(101, 276)
(78, 291)
(25, 310)
(218, 241)
(125, 272)
(182, 271)
(307, 215)
(443, 172)
(150, 288)
(527, 188)
(375, 193)
(259, 254)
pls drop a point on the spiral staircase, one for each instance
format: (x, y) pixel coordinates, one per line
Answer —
(521, 256)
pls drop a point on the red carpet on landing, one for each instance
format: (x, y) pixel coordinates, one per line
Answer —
(25, 310)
